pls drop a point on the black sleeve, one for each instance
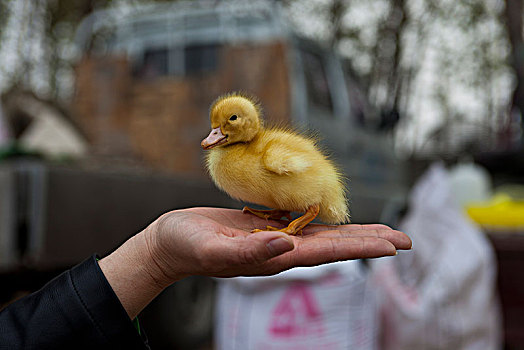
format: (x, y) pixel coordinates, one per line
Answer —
(76, 310)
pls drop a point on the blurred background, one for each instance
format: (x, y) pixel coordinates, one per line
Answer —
(104, 104)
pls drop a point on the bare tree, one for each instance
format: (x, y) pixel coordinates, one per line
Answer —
(513, 20)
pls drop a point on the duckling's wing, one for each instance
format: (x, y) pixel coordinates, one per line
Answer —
(282, 160)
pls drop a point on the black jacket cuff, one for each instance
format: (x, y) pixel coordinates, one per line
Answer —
(76, 310)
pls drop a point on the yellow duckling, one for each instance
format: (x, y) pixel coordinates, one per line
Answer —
(274, 167)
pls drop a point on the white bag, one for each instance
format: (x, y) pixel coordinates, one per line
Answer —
(442, 294)
(326, 307)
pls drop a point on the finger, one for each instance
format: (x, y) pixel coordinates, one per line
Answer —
(399, 239)
(343, 248)
(312, 228)
(259, 247)
(311, 252)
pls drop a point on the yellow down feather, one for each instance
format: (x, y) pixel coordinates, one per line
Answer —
(275, 167)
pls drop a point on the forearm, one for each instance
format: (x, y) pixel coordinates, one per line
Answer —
(133, 275)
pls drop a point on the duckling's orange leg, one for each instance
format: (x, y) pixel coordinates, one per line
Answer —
(298, 224)
(275, 214)
(295, 227)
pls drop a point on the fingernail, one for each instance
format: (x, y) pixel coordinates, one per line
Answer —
(279, 246)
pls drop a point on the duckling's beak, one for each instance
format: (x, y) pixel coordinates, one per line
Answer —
(215, 138)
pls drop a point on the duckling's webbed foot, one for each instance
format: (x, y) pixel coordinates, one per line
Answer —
(275, 214)
(295, 227)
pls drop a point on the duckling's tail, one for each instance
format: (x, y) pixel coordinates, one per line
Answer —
(334, 208)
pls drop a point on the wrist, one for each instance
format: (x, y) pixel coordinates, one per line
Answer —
(162, 264)
(133, 275)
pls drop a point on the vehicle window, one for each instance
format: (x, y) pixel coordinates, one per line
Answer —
(196, 59)
(200, 59)
(155, 64)
(316, 81)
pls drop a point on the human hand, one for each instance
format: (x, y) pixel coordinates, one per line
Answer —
(218, 242)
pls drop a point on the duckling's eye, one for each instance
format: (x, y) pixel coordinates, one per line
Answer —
(233, 117)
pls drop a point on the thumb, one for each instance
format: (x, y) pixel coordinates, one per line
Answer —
(264, 245)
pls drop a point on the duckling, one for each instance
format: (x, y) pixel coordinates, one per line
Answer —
(274, 167)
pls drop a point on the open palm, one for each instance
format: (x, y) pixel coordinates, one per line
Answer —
(218, 242)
